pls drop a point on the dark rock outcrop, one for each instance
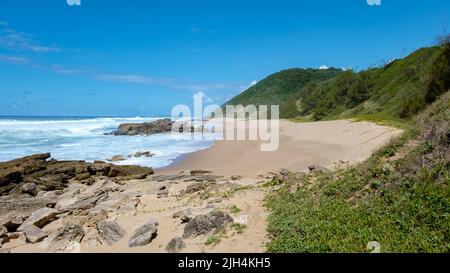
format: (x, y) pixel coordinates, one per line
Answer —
(203, 224)
(144, 235)
(32, 174)
(65, 236)
(147, 128)
(110, 231)
(175, 245)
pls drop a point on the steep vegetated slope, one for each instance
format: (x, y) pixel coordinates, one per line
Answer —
(282, 89)
(400, 197)
(395, 92)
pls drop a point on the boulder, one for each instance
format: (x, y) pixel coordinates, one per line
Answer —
(144, 235)
(4, 251)
(175, 245)
(39, 218)
(143, 154)
(34, 234)
(110, 231)
(30, 188)
(147, 128)
(203, 224)
(117, 158)
(66, 236)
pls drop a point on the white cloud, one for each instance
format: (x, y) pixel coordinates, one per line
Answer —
(166, 82)
(13, 59)
(324, 67)
(74, 2)
(15, 40)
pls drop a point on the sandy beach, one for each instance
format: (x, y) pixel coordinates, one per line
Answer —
(301, 145)
(165, 194)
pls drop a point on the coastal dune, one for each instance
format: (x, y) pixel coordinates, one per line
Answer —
(324, 143)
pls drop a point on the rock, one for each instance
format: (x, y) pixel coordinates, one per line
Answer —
(110, 231)
(196, 187)
(39, 218)
(82, 176)
(11, 223)
(236, 177)
(175, 245)
(66, 236)
(200, 172)
(15, 239)
(147, 128)
(143, 154)
(284, 172)
(144, 235)
(34, 234)
(203, 224)
(30, 188)
(99, 169)
(4, 251)
(82, 203)
(92, 238)
(117, 158)
(318, 168)
(185, 173)
(3, 231)
(122, 172)
(185, 215)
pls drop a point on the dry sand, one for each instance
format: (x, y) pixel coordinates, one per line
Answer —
(301, 144)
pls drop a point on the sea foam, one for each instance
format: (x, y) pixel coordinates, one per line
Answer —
(85, 139)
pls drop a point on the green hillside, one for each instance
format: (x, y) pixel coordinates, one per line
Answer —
(398, 198)
(282, 89)
(394, 92)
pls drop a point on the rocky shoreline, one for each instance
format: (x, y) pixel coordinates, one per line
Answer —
(33, 174)
(61, 206)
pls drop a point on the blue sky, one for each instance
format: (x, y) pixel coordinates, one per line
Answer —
(129, 58)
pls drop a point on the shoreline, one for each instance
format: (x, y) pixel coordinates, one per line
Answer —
(174, 196)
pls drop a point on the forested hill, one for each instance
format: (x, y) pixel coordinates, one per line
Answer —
(396, 91)
(283, 88)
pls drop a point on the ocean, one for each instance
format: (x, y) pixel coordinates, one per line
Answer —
(83, 138)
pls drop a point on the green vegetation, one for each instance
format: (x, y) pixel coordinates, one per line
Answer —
(399, 197)
(239, 228)
(392, 94)
(213, 239)
(234, 209)
(282, 89)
